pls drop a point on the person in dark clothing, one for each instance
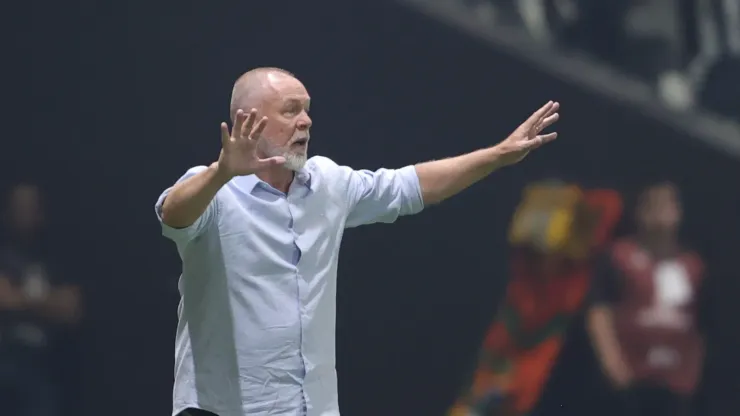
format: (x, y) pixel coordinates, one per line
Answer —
(643, 320)
(196, 412)
(35, 303)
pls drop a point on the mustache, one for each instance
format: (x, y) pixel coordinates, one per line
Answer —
(301, 138)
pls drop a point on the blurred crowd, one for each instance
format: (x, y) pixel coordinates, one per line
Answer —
(689, 50)
(40, 306)
(641, 292)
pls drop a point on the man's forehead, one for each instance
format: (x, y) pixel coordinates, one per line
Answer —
(286, 86)
(266, 87)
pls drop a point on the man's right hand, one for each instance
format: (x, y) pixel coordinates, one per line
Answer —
(239, 147)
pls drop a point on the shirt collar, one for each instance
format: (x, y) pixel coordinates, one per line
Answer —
(249, 182)
(303, 177)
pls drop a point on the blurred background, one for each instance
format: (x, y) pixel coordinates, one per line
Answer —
(598, 277)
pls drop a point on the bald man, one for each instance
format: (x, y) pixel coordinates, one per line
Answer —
(259, 232)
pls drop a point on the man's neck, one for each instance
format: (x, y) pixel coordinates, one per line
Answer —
(278, 177)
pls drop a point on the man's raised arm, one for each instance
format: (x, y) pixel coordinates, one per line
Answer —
(441, 179)
(188, 199)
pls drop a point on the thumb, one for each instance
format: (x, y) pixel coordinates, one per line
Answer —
(272, 161)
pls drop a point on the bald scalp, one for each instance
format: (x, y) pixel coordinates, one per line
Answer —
(251, 86)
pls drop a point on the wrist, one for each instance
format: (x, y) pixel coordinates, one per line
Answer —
(219, 174)
(494, 157)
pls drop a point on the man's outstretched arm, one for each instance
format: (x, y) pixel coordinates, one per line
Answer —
(441, 179)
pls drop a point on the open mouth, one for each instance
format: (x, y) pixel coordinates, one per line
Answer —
(301, 142)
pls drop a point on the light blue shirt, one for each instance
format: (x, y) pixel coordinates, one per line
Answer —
(257, 315)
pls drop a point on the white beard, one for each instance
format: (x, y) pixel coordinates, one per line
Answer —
(293, 160)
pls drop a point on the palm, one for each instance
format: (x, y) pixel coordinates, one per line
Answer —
(239, 147)
(527, 136)
(239, 156)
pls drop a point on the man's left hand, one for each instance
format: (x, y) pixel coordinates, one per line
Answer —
(527, 136)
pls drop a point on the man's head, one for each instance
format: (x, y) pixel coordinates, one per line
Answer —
(659, 209)
(282, 98)
(24, 210)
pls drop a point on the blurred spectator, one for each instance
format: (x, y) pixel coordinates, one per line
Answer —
(35, 303)
(643, 321)
(555, 232)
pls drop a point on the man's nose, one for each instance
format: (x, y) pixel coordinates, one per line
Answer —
(305, 122)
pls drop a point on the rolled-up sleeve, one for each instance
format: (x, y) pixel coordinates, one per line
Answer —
(185, 235)
(383, 195)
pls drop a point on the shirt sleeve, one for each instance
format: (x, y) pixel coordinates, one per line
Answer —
(187, 234)
(605, 283)
(383, 195)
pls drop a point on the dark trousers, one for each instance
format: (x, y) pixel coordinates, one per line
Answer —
(196, 412)
(653, 400)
